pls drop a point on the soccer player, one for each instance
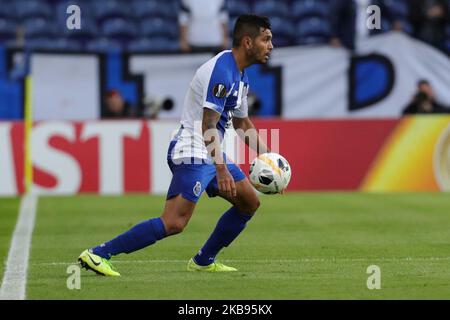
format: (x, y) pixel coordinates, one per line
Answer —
(217, 97)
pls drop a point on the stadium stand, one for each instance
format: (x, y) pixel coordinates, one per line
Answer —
(38, 27)
(313, 30)
(88, 32)
(111, 9)
(119, 28)
(279, 13)
(158, 27)
(103, 45)
(145, 9)
(310, 8)
(58, 44)
(271, 8)
(152, 25)
(27, 9)
(157, 44)
(8, 29)
(282, 30)
(312, 21)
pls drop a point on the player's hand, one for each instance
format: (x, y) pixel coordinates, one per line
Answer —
(225, 181)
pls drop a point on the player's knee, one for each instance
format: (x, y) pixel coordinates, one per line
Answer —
(255, 205)
(176, 226)
(250, 207)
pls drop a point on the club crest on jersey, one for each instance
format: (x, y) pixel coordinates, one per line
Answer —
(219, 90)
(197, 188)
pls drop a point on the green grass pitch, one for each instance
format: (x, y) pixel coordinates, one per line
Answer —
(9, 209)
(298, 246)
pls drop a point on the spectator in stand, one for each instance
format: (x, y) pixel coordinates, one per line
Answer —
(203, 25)
(115, 107)
(343, 24)
(429, 19)
(424, 101)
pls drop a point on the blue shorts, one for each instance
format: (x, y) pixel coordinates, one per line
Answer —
(191, 178)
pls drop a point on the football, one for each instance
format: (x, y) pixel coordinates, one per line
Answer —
(270, 173)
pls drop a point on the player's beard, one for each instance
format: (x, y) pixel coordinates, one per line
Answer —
(254, 56)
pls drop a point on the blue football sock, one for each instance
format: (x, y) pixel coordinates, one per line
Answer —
(227, 229)
(138, 237)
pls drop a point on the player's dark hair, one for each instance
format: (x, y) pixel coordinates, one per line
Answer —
(248, 25)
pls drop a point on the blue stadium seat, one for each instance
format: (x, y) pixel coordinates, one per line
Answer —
(398, 9)
(310, 8)
(314, 27)
(140, 45)
(271, 8)
(88, 31)
(26, 9)
(86, 8)
(39, 27)
(8, 29)
(153, 45)
(119, 28)
(237, 7)
(66, 44)
(158, 27)
(52, 44)
(38, 43)
(281, 27)
(279, 42)
(107, 9)
(311, 40)
(104, 45)
(154, 8)
(313, 30)
(7, 10)
(282, 30)
(387, 26)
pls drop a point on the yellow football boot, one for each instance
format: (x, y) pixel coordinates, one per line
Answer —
(99, 265)
(213, 267)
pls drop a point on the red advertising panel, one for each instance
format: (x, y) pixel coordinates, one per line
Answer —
(114, 157)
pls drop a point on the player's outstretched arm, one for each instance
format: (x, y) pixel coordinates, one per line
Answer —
(212, 142)
(247, 132)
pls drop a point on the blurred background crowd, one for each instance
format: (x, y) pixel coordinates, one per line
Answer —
(193, 25)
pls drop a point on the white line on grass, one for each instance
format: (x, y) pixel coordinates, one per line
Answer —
(15, 278)
(300, 260)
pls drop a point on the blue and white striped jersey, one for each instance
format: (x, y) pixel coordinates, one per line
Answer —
(218, 85)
